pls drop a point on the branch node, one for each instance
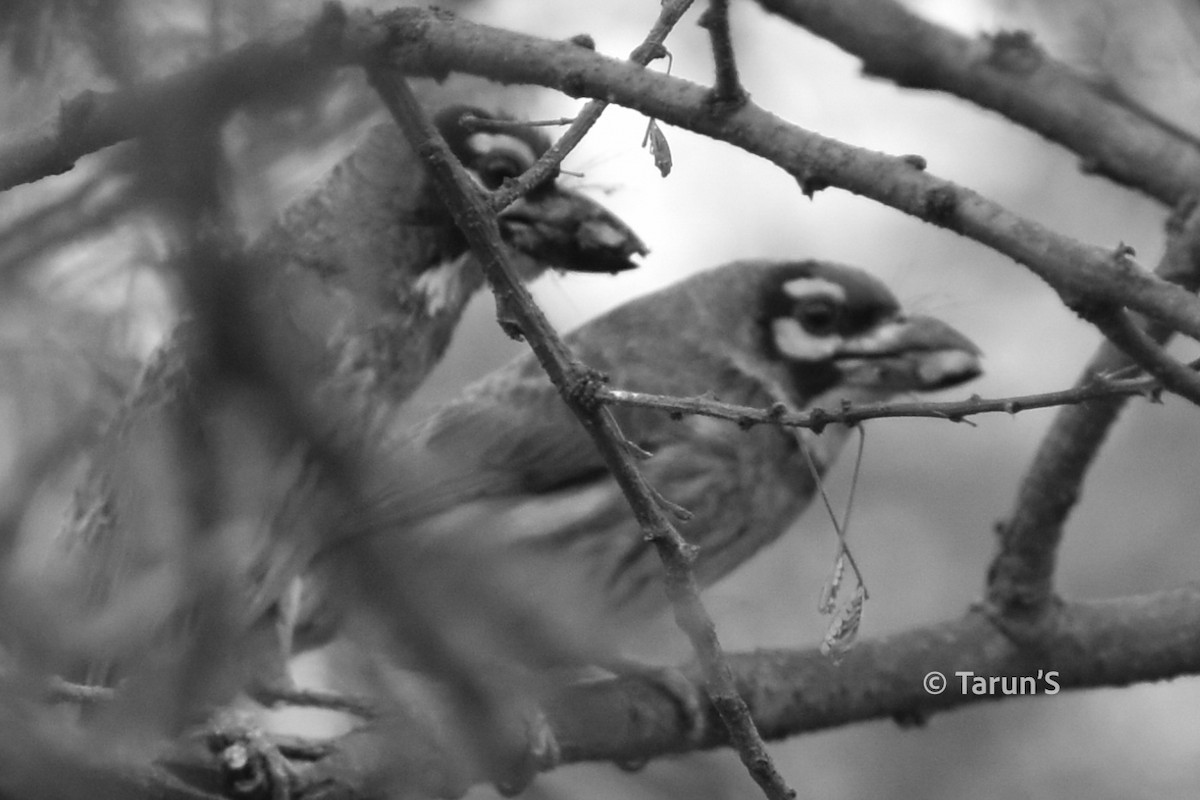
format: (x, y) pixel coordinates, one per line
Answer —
(573, 84)
(727, 95)
(583, 40)
(648, 53)
(1014, 52)
(911, 718)
(810, 183)
(635, 450)
(941, 206)
(674, 509)
(583, 388)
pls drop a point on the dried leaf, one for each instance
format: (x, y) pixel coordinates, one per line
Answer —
(658, 148)
(843, 631)
(829, 593)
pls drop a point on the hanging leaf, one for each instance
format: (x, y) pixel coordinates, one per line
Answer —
(843, 631)
(829, 593)
(658, 148)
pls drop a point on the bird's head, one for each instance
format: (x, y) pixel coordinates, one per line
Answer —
(840, 331)
(551, 225)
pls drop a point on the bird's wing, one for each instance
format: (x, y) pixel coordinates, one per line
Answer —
(513, 436)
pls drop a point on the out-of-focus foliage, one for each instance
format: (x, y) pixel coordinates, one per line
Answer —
(87, 264)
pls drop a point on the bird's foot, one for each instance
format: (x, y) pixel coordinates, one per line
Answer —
(690, 699)
(532, 750)
(252, 766)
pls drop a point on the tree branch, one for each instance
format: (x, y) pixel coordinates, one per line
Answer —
(1073, 269)
(1009, 74)
(426, 43)
(1142, 350)
(94, 120)
(650, 49)
(1106, 643)
(1020, 578)
(727, 93)
(1091, 644)
(1097, 387)
(473, 214)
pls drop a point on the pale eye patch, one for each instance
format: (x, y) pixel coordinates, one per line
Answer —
(802, 288)
(798, 344)
(484, 143)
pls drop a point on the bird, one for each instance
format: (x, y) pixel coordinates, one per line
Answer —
(502, 517)
(373, 272)
(361, 283)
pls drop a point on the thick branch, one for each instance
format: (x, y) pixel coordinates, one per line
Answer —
(1009, 74)
(427, 43)
(1094, 644)
(1108, 643)
(1020, 578)
(1075, 270)
(95, 120)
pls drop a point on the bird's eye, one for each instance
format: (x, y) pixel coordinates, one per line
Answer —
(496, 167)
(817, 315)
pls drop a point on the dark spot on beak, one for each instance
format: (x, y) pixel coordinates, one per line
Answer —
(571, 232)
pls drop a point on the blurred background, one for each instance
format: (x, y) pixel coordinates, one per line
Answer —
(82, 302)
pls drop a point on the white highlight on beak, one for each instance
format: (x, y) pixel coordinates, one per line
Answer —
(485, 142)
(937, 367)
(795, 343)
(800, 288)
(881, 340)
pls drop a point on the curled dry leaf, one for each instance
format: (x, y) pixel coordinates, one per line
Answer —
(843, 631)
(659, 149)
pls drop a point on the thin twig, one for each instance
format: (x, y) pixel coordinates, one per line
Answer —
(474, 123)
(1134, 342)
(474, 216)
(650, 49)
(1096, 387)
(727, 93)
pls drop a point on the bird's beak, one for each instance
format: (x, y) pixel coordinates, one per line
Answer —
(564, 229)
(909, 354)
